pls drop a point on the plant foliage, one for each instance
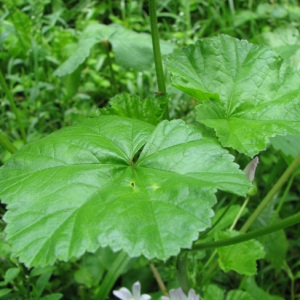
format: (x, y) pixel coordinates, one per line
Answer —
(247, 93)
(127, 45)
(87, 186)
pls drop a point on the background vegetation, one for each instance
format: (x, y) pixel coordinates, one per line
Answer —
(37, 37)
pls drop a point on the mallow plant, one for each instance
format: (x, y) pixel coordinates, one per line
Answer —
(143, 185)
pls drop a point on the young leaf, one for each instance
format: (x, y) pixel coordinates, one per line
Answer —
(150, 110)
(240, 257)
(131, 49)
(248, 94)
(88, 185)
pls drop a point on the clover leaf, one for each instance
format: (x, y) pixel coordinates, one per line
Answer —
(117, 182)
(247, 93)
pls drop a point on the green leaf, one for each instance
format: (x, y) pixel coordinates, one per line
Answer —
(276, 243)
(256, 292)
(4, 292)
(41, 284)
(84, 276)
(150, 110)
(131, 49)
(4, 246)
(238, 295)
(228, 218)
(289, 145)
(212, 292)
(248, 94)
(40, 271)
(11, 274)
(240, 257)
(286, 42)
(55, 296)
(90, 269)
(86, 186)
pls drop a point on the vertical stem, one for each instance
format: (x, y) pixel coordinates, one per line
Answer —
(18, 21)
(187, 13)
(6, 144)
(112, 73)
(239, 213)
(156, 48)
(284, 196)
(231, 6)
(117, 268)
(13, 107)
(159, 280)
(292, 278)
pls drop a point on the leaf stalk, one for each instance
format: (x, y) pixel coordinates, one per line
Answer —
(287, 222)
(6, 144)
(117, 268)
(156, 48)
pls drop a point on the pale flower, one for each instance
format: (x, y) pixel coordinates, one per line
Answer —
(179, 295)
(125, 294)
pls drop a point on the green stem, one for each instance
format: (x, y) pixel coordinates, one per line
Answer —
(292, 278)
(13, 106)
(285, 176)
(112, 73)
(209, 273)
(239, 213)
(283, 198)
(156, 48)
(117, 268)
(6, 144)
(287, 222)
(182, 271)
(231, 6)
(187, 13)
(18, 21)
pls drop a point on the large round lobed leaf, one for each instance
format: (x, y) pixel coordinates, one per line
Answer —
(114, 181)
